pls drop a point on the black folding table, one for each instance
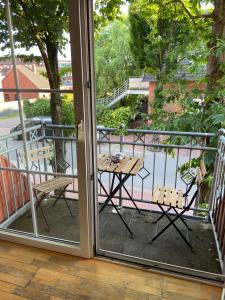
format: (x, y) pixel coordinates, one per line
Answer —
(129, 166)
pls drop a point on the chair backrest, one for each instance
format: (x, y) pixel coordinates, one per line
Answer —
(201, 172)
(198, 179)
(37, 154)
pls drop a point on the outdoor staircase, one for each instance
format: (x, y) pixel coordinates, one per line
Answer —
(132, 86)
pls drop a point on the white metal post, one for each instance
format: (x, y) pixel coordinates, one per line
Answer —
(9, 20)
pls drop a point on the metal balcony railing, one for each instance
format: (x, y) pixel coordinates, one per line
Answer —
(162, 161)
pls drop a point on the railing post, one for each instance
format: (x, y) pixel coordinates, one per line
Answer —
(221, 132)
(43, 133)
(122, 127)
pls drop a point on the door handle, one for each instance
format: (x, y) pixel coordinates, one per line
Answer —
(80, 130)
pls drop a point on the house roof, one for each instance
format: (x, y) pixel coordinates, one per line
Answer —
(35, 77)
(182, 73)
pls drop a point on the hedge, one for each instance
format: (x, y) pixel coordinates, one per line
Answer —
(113, 118)
(41, 107)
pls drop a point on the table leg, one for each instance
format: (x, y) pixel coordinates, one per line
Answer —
(112, 194)
(130, 197)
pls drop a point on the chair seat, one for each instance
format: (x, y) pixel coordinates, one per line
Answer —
(52, 184)
(168, 196)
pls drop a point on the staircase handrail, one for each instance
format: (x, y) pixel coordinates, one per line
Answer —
(117, 92)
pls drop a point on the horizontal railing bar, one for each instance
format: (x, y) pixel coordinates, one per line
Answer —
(49, 137)
(38, 172)
(151, 202)
(19, 132)
(158, 145)
(21, 146)
(160, 132)
(49, 91)
(59, 126)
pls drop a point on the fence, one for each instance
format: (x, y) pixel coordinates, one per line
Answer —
(165, 155)
(163, 161)
(218, 196)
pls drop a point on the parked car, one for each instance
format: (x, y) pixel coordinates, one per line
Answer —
(30, 123)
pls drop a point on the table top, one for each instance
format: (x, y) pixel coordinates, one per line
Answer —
(129, 165)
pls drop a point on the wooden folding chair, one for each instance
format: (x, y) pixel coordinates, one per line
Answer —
(175, 199)
(44, 189)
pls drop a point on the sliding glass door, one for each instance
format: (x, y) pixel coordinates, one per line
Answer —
(46, 155)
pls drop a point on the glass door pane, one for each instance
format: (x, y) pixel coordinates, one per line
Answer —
(143, 83)
(47, 149)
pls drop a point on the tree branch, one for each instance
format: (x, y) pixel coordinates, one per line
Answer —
(192, 17)
(39, 42)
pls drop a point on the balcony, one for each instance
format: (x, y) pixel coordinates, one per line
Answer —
(163, 165)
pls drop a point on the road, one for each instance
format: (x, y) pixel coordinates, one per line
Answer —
(161, 174)
(6, 125)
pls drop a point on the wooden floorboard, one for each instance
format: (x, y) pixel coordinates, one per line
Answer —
(31, 273)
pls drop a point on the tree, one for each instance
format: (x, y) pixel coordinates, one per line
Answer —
(215, 17)
(162, 36)
(106, 11)
(113, 58)
(43, 24)
(216, 60)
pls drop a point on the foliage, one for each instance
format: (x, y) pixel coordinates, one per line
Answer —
(163, 39)
(35, 22)
(106, 11)
(204, 206)
(41, 107)
(114, 118)
(113, 58)
(101, 110)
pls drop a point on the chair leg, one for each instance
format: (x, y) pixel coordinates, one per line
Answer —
(41, 209)
(162, 215)
(182, 219)
(172, 222)
(67, 204)
(62, 191)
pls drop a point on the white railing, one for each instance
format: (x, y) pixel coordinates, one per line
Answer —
(133, 83)
(117, 94)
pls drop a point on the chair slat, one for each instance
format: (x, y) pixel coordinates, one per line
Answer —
(52, 184)
(40, 149)
(173, 197)
(168, 196)
(180, 199)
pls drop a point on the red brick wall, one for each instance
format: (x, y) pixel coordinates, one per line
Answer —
(13, 189)
(24, 83)
(173, 107)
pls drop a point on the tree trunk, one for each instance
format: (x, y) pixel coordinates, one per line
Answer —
(56, 104)
(218, 32)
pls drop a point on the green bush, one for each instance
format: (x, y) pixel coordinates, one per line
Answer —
(41, 107)
(113, 118)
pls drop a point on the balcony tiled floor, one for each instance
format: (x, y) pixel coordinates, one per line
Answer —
(169, 248)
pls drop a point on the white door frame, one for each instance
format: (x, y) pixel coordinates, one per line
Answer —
(80, 15)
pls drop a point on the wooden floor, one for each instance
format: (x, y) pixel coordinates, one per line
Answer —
(31, 273)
